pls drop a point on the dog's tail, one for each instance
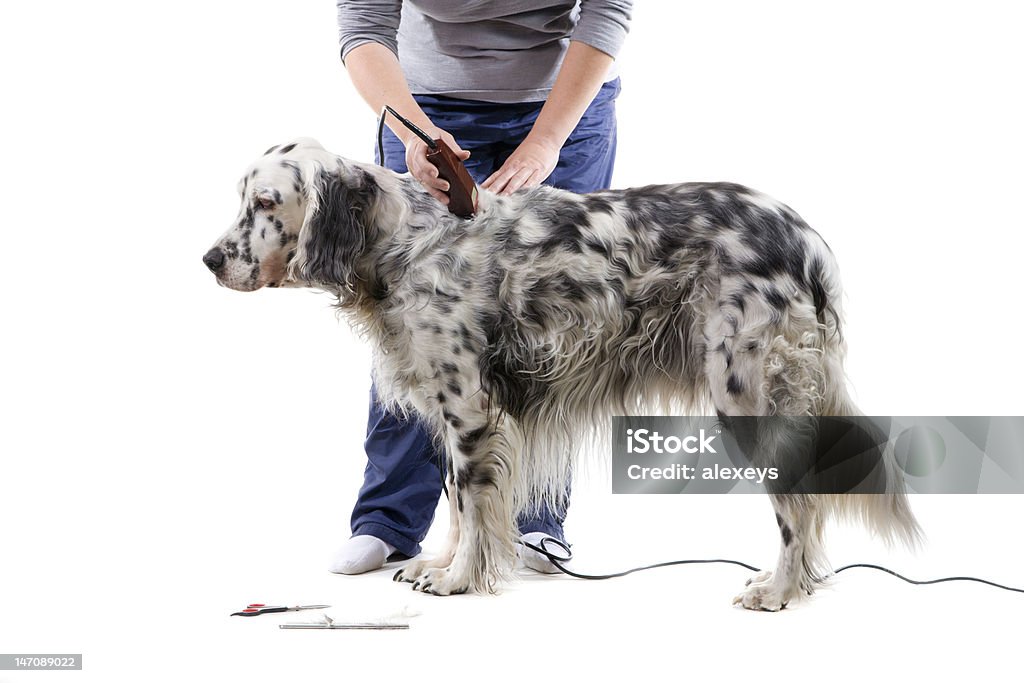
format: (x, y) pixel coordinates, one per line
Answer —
(886, 514)
(886, 511)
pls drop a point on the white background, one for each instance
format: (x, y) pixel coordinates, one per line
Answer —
(173, 450)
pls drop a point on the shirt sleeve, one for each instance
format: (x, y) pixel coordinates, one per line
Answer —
(368, 21)
(603, 24)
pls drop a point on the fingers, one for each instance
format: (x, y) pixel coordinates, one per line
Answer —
(454, 146)
(510, 178)
(525, 177)
(499, 180)
(496, 181)
(527, 166)
(425, 172)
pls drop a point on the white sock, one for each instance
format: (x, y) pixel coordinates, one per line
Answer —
(534, 560)
(361, 554)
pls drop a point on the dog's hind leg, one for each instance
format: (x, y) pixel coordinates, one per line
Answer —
(754, 368)
(799, 523)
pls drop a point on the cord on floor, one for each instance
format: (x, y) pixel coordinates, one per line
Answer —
(564, 554)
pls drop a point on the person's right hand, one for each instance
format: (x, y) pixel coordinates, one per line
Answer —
(424, 171)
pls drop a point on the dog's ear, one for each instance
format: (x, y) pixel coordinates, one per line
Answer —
(334, 232)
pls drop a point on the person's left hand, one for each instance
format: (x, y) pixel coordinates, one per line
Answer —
(529, 165)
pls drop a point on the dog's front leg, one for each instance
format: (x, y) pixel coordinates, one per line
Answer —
(482, 465)
(414, 569)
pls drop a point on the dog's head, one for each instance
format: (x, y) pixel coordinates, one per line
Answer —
(300, 222)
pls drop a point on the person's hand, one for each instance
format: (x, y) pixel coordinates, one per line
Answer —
(424, 171)
(529, 165)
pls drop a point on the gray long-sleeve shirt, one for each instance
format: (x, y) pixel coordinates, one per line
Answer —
(490, 50)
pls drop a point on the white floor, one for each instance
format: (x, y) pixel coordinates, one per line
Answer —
(148, 596)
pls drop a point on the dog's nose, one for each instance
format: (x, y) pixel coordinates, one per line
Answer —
(214, 259)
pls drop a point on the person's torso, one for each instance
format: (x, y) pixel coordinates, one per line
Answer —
(490, 50)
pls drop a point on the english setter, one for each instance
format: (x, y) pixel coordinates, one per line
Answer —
(514, 332)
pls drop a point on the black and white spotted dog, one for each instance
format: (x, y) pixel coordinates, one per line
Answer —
(515, 332)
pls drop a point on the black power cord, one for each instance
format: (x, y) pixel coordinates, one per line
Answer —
(565, 554)
(417, 131)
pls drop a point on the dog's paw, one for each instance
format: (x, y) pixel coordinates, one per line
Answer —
(761, 596)
(439, 582)
(415, 569)
(761, 577)
(410, 572)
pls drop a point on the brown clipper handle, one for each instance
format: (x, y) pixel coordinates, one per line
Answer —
(462, 194)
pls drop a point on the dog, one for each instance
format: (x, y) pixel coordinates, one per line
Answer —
(513, 333)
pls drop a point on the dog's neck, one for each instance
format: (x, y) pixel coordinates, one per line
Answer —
(402, 223)
(404, 204)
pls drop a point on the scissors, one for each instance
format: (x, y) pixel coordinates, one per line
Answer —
(257, 608)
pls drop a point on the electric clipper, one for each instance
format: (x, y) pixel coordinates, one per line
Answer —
(462, 193)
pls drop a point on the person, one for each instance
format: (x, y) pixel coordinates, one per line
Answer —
(523, 91)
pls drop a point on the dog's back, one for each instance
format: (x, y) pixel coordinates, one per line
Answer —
(617, 301)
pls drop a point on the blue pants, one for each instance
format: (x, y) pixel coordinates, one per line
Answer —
(403, 478)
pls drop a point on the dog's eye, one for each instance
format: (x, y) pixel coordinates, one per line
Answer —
(266, 197)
